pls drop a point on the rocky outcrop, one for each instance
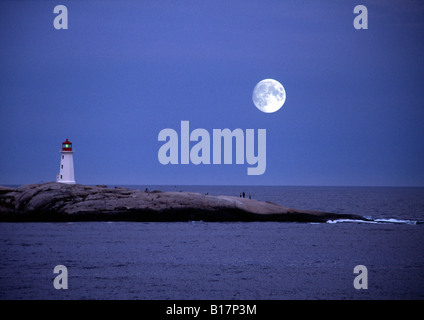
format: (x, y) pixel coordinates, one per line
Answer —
(62, 202)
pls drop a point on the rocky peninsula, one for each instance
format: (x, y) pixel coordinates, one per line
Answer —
(57, 202)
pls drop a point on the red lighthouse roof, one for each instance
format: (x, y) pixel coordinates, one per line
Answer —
(67, 145)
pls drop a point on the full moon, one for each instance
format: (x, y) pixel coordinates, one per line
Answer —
(269, 95)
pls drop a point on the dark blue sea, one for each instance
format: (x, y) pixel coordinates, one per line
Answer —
(240, 261)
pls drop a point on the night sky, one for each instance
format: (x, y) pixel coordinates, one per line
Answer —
(125, 70)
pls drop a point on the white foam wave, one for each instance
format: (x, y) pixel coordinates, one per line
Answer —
(397, 221)
(350, 220)
(376, 221)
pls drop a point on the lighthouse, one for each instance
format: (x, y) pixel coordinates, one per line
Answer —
(66, 173)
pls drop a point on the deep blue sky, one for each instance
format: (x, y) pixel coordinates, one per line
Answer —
(124, 70)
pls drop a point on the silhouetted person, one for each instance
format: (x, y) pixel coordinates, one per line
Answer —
(244, 195)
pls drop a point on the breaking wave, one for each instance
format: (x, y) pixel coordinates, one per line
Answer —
(378, 221)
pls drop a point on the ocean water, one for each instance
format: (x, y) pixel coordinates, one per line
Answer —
(250, 260)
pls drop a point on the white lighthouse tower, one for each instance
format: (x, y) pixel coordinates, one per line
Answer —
(66, 173)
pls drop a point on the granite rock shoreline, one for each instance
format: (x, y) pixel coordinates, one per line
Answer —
(57, 202)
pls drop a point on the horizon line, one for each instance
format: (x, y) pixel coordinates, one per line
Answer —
(224, 185)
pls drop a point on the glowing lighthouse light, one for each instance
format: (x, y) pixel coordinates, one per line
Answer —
(66, 173)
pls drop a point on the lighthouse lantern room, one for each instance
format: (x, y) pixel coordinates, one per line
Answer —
(66, 172)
